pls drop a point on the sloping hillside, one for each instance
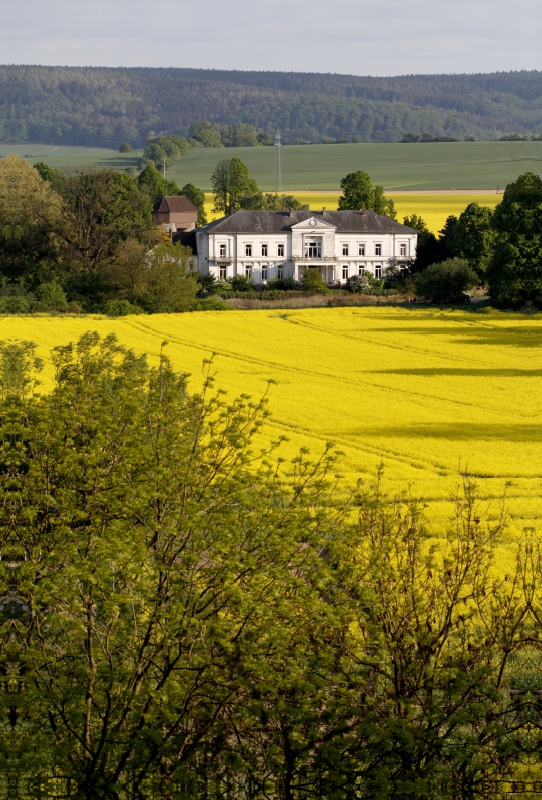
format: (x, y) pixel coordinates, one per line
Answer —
(104, 106)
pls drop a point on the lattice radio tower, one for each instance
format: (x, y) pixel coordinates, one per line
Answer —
(278, 168)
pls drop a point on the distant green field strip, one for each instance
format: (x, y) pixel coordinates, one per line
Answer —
(454, 165)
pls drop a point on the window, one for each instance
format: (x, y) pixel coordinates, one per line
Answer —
(280, 272)
(313, 249)
(361, 270)
(264, 273)
(248, 270)
(223, 273)
(345, 249)
(248, 250)
(264, 249)
(378, 249)
(361, 249)
(222, 251)
(402, 249)
(345, 272)
(378, 271)
(280, 250)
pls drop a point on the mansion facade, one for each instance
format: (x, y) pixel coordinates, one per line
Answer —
(278, 244)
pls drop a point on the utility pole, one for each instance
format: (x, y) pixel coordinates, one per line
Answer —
(278, 176)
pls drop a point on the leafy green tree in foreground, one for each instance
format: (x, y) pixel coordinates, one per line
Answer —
(359, 192)
(183, 617)
(514, 273)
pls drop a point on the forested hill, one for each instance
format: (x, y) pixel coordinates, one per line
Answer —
(104, 106)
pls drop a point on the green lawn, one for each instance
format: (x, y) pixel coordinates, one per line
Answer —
(455, 165)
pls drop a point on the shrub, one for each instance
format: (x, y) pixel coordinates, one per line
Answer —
(14, 304)
(313, 282)
(51, 297)
(357, 284)
(125, 147)
(121, 308)
(209, 304)
(240, 283)
(446, 282)
(283, 284)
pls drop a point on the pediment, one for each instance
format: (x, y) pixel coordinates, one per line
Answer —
(313, 224)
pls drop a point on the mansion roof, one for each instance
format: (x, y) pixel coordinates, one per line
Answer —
(364, 222)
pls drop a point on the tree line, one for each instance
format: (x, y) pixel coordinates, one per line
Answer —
(499, 249)
(184, 615)
(87, 241)
(105, 107)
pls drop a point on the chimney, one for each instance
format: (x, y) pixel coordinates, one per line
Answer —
(290, 212)
(324, 210)
(364, 212)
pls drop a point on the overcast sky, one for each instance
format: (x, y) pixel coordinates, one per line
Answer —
(362, 37)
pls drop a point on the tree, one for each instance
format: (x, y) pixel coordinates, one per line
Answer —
(429, 250)
(166, 574)
(473, 237)
(155, 184)
(170, 284)
(54, 176)
(198, 198)
(106, 209)
(208, 133)
(239, 135)
(165, 148)
(446, 234)
(125, 147)
(446, 282)
(312, 281)
(271, 202)
(32, 224)
(409, 138)
(514, 272)
(230, 180)
(359, 192)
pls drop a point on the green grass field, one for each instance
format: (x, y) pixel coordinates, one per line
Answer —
(423, 391)
(442, 166)
(457, 165)
(72, 158)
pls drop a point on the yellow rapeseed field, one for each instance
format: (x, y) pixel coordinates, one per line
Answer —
(432, 208)
(422, 391)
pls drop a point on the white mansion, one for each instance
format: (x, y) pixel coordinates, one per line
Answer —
(273, 244)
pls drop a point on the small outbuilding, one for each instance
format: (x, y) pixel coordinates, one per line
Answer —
(177, 212)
